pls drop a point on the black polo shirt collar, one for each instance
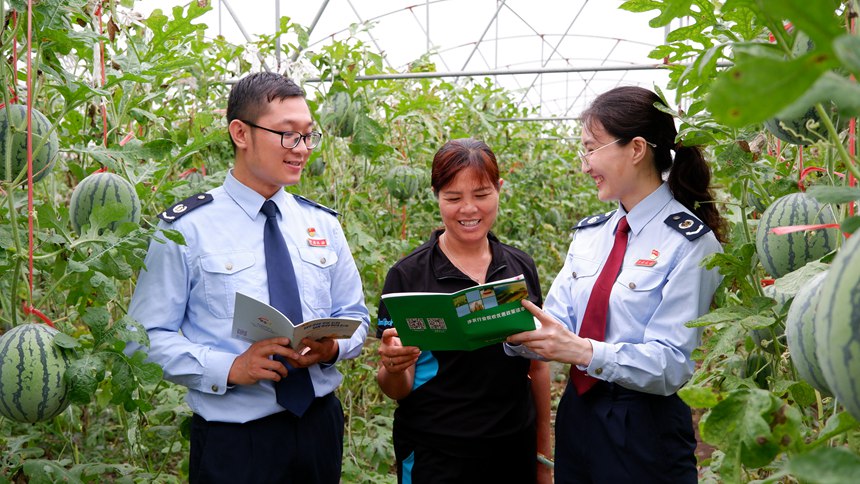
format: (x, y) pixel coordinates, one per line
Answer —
(443, 268)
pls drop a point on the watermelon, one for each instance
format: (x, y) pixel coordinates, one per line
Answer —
(781, 254)
(98, 190)
(837, 327)
(44, 150)
(402, 182)
(32, 388)
(800, 332)
(339, 114)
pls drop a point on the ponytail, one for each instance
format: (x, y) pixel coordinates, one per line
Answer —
(690, 183)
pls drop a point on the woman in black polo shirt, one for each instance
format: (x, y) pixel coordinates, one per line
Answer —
(464, 416)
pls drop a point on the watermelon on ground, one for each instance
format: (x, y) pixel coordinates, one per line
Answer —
(837, 327)
(781, 254)
(32, 388)
(800, 333)
(99, 190)
(13, 126)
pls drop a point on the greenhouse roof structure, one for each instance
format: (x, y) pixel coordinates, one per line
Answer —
(554, 56)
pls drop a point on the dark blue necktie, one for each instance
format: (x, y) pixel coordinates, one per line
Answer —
(295, 392)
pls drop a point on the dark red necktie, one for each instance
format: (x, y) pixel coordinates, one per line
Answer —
(594, 320)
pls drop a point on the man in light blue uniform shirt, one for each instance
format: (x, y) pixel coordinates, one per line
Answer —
(185, 297)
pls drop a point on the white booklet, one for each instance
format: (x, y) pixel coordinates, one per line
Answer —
(254, 320)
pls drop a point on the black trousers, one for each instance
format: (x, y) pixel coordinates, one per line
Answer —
(497, 460)
(280, 448)
(615, 435)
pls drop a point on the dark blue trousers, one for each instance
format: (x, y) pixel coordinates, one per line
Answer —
(280, 448)
(615, 435)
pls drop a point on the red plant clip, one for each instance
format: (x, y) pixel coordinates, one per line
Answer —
(32, 310)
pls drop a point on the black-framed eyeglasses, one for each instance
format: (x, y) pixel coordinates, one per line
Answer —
(290, 139)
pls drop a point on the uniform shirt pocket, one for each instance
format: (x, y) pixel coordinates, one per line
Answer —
(582, 269)
(641, 287)
(317, 266)
(223, 275)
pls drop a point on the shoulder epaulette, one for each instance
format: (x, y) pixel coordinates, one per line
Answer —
(173, 213)
(688, 225)
(312, 203)
(594, 219)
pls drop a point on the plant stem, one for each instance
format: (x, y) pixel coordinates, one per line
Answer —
(834, 136)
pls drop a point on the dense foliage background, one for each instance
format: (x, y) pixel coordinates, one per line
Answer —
(151, 109)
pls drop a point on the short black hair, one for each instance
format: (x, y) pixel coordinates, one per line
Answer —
(250, 96)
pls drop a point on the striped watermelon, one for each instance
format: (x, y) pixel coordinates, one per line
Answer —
(44, 151)
(98, 190)
(837, 327)
(800, 331)
(402, 182)
(781, 254)
(31, 374)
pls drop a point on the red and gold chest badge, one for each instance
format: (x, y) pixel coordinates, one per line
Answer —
(314, 240)
(650, 262)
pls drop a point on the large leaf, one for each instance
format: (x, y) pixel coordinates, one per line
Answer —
(759, 87)
(826, 465)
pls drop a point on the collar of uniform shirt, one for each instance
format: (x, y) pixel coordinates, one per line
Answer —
(645, 210)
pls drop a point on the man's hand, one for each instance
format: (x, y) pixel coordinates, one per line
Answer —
(322, 351)
(553, 340)
(256, 362)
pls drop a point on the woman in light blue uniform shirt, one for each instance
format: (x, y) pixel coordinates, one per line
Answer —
(627, 424)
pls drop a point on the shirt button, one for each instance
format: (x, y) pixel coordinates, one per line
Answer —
(574, 275)
(598, 371)
(676, 217)
(322, 260)
(215, 388)
(228, 266)
(201, 197)
(632, 285)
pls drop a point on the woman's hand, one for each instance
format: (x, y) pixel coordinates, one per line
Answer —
(393, 355)
(553, 340)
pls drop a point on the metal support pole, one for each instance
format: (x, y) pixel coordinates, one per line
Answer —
(244, 33)
(311, 28)
(278, 38)
(478, 43)
(505, 72)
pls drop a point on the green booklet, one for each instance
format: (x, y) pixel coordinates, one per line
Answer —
(465, 320)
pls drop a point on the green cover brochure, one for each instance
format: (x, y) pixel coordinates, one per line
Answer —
(465, 320)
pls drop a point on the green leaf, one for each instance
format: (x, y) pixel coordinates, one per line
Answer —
(826, 465)
(831, 89)
(847, 48)
(802, 393)
(65, 341)
(836, 425)
(720, 315)
(850, 224)
(756, 88)
(698, 397)
(45, 471)
(757, 321)
(82, 378)
(741, 425)
(173, 235)
(98, 320)
(819, 22)
(831, 194)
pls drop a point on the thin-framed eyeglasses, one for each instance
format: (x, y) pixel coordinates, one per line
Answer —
(290, 139)
(583, 155)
